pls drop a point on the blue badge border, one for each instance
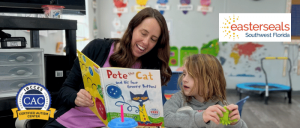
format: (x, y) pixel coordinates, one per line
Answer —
(33, 84)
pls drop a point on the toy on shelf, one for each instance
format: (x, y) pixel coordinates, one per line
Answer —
(225, 120)
(52, 11)
(122, 122)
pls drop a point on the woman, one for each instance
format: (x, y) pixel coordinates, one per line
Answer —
(145, 45)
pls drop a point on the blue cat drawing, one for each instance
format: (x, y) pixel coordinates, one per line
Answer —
(141, 98)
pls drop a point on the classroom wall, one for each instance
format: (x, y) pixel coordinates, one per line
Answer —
(195, 29)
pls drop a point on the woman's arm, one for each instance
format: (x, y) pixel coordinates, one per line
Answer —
(73, 83)
(70, 87)
(183, 118)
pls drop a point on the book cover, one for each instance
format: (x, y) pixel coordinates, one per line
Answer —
(138, 90)
(92, 84)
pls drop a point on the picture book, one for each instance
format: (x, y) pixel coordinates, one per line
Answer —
(138, 90)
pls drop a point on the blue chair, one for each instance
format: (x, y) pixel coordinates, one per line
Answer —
(172, 85)
(241, 104)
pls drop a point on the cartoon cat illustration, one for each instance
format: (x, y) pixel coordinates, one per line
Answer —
(141, 98)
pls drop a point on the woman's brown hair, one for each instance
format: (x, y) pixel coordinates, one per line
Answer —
(208, 76)
(157, 58)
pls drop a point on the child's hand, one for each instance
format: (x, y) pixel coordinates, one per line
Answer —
(211, 113)
(235, 114)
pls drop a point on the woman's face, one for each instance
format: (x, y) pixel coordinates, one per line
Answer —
(145, 37)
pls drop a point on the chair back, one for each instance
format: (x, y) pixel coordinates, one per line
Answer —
(171, 86)
(241, 104)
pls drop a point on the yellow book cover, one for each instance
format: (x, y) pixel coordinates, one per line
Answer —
(92, 84)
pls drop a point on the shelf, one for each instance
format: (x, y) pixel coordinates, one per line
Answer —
(31, 23)
(36, 24)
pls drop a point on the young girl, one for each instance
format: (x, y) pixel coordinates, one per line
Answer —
(202, 95)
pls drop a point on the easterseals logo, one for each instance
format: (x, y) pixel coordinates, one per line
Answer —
(226, 27)
(33, 102)
(263, 27)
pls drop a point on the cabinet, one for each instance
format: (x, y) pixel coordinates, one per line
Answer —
(30, 68)
(19, 67)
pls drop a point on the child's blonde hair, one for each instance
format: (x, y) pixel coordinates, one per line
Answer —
(208, 76)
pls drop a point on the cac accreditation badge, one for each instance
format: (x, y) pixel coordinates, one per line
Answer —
(33, 101)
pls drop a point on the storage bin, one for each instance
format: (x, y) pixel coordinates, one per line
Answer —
(21, 56)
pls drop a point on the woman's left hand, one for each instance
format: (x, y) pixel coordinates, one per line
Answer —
(235, 114)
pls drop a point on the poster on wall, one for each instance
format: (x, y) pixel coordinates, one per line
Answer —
(244, 60)
(246, 50)
(212, 48)
(119, 28)
(185, 6)
(173, 56)
(204, 6)
(120, 7)
(187, 51)
(141, 5)
(162, 6)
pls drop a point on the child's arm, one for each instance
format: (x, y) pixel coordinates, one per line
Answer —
(184, 118)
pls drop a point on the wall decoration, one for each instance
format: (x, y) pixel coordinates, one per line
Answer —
(242, 75)
(223, 60)
(119, 29)
(162, 6)
(258, 69)
(235, 56)
(121, 7)
(173, 56)
(187, 51)
(212, 47)
(223, 43)
(141, 5)
(95, 28)
(94, 5)
(185, 6)
(246, 49)
(204, 6)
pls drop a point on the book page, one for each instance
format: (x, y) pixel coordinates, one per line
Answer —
(90, 72)
(138, 90)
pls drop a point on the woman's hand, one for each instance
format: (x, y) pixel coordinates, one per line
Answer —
(84, 99)
(235, 114)
(211, 113)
